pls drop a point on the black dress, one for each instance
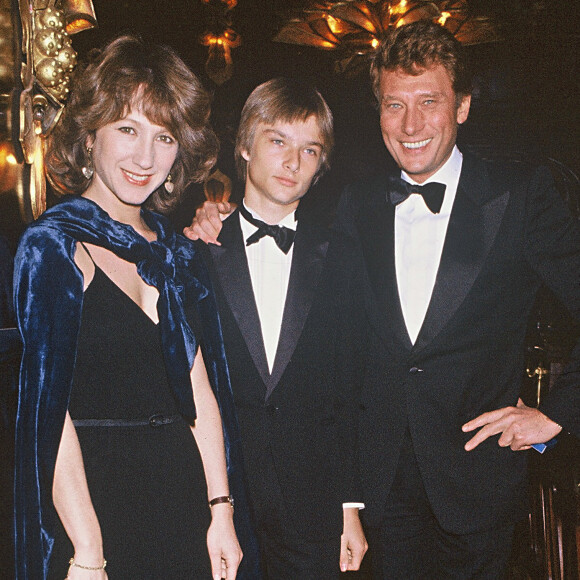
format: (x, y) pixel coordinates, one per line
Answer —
(146, 480)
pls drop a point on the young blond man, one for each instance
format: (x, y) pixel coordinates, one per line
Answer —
(288, 293)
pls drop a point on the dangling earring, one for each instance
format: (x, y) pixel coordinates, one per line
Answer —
(88, 170)
(169, 185)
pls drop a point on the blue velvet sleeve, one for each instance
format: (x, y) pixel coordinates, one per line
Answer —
(48, 291)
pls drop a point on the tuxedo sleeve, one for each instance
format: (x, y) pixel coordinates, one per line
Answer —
(346, 226)
(553, 250)
(355, 337)
(346, 212)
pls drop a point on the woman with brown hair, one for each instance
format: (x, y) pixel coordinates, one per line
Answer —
(120, 460)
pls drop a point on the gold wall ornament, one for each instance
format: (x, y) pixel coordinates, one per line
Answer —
(36, 61)
(50, 47)
(353, 28)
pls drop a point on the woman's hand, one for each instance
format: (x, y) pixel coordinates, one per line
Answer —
(225, 553)
(72, 501)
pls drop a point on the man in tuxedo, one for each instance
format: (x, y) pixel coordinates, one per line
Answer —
(287, 291)
(454, 268)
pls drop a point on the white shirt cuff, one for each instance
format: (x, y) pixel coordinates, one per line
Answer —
(353, 504)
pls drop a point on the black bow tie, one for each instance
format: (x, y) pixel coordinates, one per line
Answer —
(283, 236)
(400, 190)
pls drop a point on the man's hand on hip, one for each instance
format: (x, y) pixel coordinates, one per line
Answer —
(520, 427)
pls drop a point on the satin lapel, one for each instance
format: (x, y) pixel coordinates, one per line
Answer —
(310, 247)
(376, 226)
(231, 265)
(473, 225)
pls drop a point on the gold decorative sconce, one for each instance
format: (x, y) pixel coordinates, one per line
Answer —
(220, 38)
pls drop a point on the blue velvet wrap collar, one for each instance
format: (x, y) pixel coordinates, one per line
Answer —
(48, 289)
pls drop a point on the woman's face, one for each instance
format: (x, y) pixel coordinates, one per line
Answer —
(131, 157)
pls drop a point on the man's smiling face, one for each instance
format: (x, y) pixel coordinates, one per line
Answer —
(419, 118)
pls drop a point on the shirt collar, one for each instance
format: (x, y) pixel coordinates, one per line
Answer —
(288, 221)
(448, 174)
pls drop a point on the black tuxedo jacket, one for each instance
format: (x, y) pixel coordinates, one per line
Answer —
(508, 231)
(302, 415)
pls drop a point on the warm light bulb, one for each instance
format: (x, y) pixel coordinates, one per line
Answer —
(11, 159)
(443, 18)
(333, 23)
(78, 25)
(400, 8)
(374, 42)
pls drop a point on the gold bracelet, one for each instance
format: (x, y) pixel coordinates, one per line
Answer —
(73, 563)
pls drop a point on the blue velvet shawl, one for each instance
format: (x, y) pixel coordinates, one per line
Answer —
(48, 289)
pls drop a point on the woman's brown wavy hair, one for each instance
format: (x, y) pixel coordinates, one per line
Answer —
(104, 90)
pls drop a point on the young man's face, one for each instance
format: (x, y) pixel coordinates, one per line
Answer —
(282, 162)
(419, 119)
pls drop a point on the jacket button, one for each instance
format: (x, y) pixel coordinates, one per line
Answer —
(271, 409)
(415, 370)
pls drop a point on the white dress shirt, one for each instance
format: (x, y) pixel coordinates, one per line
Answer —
(419, 239)
(270, 272)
